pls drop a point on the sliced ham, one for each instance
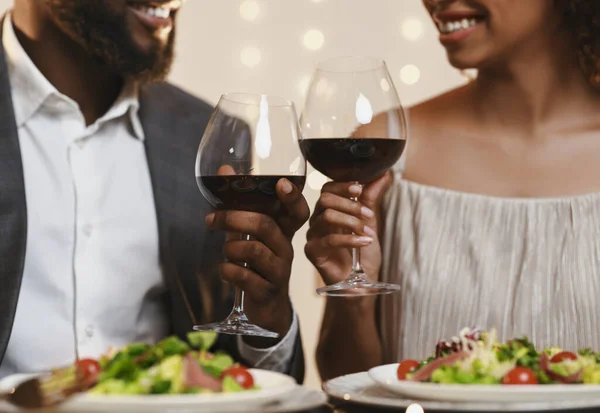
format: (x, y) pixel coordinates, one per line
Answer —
(545, 366)
(424, 373)
(195, 377)
(456, 346)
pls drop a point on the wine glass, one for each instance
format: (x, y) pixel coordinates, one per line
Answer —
(353, 130)
(250, 143)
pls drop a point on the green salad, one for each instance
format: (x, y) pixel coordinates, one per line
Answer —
(476, 357)
(172, 366)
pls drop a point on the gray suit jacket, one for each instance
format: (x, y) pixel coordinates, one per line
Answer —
(173, 122)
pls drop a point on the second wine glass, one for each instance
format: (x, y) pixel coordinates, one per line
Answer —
(249, 145)
(353, 130)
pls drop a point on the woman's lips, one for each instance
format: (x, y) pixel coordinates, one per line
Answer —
(456, 25)
(457, 36)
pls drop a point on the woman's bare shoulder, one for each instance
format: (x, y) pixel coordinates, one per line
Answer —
(424, 117)
(442, 111)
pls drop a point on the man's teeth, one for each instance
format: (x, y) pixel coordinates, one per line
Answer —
(455, 26)
(156, 11)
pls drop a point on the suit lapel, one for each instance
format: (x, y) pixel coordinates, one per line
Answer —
(163, 155)
(13, 211)
(189, 252)
(162, 183)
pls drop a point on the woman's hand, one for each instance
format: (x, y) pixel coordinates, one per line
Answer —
(339, 224)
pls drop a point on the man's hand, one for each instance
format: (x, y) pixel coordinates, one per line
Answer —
(269, 256)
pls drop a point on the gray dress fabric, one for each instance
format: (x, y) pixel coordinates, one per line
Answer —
(522, 266)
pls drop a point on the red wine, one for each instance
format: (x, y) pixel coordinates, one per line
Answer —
(254, 193)
(354, 159)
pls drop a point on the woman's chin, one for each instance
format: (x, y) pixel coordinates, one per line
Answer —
(463, 61)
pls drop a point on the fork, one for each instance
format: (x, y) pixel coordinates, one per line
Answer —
(26, 395)
(32, 394)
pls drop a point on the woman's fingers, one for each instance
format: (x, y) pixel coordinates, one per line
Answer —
(330, 218)
(332, 201)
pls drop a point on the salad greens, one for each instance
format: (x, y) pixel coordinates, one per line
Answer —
(476, 357)
(172, 366)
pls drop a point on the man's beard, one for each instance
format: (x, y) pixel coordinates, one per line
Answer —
(105, 36)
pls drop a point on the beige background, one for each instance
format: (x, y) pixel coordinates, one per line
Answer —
(271, 46)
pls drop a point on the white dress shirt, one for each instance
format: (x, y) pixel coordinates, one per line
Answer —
(92, 277)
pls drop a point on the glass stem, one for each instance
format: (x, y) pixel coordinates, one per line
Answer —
(357, 275)
(356, 267)
(238, 304)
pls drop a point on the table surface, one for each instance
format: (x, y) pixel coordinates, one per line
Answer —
(336, 407)
(340, 407)
(369, 409)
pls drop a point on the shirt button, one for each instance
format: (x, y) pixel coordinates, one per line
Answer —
(89, 331)
(87, 229)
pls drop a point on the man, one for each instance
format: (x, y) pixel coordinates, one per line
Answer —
(103, 237)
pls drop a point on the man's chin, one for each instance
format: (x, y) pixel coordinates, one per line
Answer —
(150, 66)
(149, 76)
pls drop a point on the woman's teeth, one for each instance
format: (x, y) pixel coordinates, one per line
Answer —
(456, 26)
(160, 12)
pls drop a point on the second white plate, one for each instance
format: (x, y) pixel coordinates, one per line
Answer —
(386, 376)
(360, 389)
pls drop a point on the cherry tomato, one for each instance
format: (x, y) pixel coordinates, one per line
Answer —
(87, 369)
(520, 375)
(241, 375)
(406, 367)
(562, 356)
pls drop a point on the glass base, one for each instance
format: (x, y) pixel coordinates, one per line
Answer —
(358, 284)
(237, 324)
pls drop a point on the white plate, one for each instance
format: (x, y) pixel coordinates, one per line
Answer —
(273, 387)
(361, 389)
(301, 399)
(386, 376)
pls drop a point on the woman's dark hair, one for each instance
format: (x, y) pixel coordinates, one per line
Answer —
(582, 19)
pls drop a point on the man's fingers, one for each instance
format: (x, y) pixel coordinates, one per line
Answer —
(258, 257)
(232, 236)
(250, 282)
(259, 226)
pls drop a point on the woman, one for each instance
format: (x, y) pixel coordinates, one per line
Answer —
(494, 220)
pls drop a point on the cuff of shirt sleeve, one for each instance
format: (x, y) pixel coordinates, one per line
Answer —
(276, 358)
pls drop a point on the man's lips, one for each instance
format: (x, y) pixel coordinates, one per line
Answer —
(155, 15)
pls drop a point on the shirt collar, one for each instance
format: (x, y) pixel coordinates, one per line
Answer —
(128, 102)
(30, 89)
